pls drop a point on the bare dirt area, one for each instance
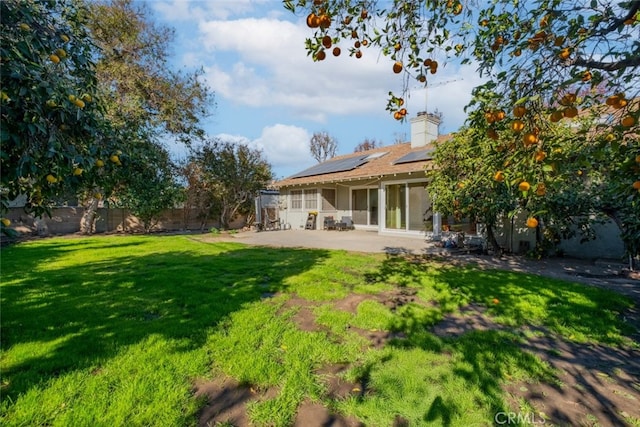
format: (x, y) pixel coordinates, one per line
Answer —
(596, 385)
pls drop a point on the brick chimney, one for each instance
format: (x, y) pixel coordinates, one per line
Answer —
(424, 129)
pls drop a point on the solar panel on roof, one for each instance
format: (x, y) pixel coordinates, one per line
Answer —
(415, 156)
(332, 166)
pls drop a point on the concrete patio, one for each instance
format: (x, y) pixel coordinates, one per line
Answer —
(351, 240)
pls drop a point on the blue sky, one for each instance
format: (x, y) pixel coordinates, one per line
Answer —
(272, 96)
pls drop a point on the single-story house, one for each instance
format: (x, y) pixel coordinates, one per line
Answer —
(382, 189)
(385, 190)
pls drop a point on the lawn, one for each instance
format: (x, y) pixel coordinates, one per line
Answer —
(125, 330)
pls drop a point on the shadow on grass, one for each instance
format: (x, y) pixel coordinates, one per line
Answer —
(488, 359)
(76, 315)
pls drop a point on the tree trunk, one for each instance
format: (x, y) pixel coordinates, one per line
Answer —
(88, 221)
(491, 237)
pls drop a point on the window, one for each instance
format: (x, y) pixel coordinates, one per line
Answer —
(311, 199)
(296, 199)
(328, 199)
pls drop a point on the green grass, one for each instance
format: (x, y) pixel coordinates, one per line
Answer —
(115, 331)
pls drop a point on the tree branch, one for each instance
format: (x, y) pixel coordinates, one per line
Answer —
(608, 66)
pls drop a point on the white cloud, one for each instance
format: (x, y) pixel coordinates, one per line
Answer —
(270, 67)
(188, 10)
(286, 147)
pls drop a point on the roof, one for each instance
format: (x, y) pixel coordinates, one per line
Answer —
(378, 162)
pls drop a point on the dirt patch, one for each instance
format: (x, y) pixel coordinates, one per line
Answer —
(470, 318)
(315, 415)
(598, 385)
(337, 387)
(227, 401)
(306, 321)
(351, 302)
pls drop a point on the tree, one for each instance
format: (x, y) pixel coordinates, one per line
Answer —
(323, 146)
(544, 62)
(234, 174)
(53, 130)
(489, 193)
(135, 77)
(144, 98)
(199, 192)
(367, 144)
(151, 187)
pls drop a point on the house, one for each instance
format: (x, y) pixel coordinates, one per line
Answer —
(383, 189)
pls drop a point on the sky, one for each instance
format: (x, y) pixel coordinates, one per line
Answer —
(271, 96)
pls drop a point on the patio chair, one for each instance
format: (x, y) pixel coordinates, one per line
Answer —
(346, 223)
(329, 223)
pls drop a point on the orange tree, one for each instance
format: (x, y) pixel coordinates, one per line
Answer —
(544, 61)
(55, 138)
(491, 193)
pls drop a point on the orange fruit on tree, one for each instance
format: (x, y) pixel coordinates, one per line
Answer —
(628, 121)
(397, 67)
(64, 38)
(586, 76)
(321, 55)
(364, 14)
(347, 20)
(613, 100)
(532, 222)
(61, 53)
(54, 58)
(313, 21)
(529, 139)
(427, 62)
(519, 111)
(457, 10)
(397, 47)
(524, 186)
(6, 222)
(636, 185)
(359, 54)
(325, 21)
(517, 52)
(79, 103)
(499, 176)
(570, 112)
(326, 41)
(99, 163)
(336, 51)
(51, 179)
(397, 115)
(621, 103)
(541, 189)
(403, 111)
(540, 156)
(517, 125)
(610, 137)
(499, 115)
(564, 53)
(365, 42)
(556, 116)
(422, 78)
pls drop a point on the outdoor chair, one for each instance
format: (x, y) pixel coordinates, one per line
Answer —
(329, 223)
(346, 223)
